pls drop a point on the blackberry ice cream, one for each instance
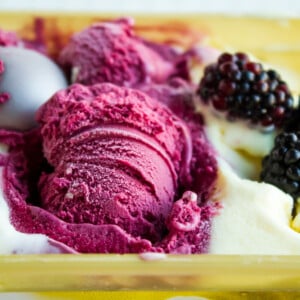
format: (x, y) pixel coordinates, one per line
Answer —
(111, 52)
(118, 162)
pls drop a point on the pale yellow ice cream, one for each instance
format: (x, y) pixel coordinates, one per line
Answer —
(255, 218)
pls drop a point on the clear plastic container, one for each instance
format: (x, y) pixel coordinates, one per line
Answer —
(96, 276)
(109, 276)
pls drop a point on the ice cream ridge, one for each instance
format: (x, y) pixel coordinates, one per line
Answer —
(117, 147)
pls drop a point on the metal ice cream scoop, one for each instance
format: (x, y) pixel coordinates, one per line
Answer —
(29, 79)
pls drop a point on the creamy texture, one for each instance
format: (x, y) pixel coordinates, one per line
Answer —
(254, 219)
(111, 52)
(116, 156)
(241, 146)
(24, 87)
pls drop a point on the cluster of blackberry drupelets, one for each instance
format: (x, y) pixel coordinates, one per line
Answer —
(242, 89)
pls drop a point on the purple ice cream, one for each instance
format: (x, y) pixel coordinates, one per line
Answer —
(113, 169)
(111, 52)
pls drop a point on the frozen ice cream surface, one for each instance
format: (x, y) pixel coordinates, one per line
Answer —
(116, 155)
(111, 52)
(12, 240)
(27, 80)
(255, 218)
(240, 145)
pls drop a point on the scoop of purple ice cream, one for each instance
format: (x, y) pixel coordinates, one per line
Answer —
(111, 52)
(116, 155)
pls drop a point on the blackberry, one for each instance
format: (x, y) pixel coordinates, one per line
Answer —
(242, 89)
(282, 166)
